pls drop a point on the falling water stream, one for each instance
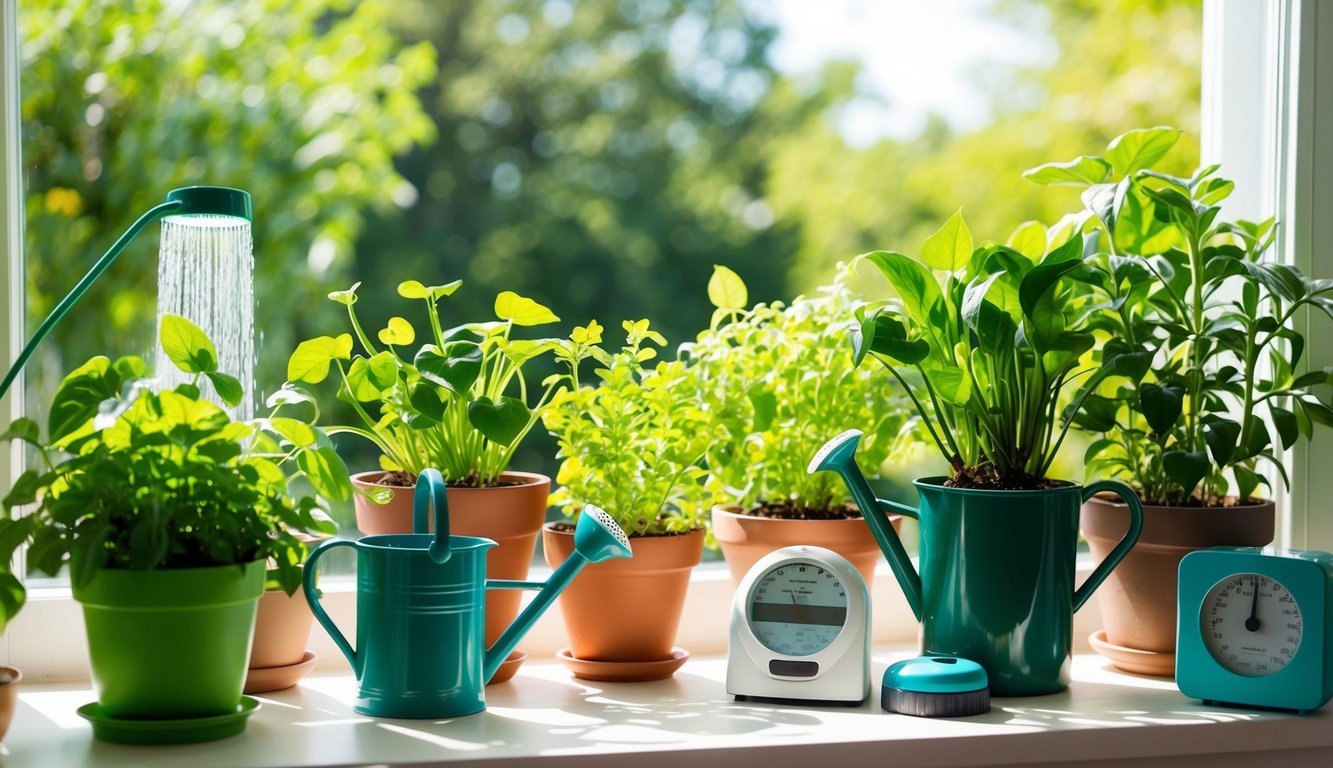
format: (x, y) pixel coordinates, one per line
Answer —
(205, 273)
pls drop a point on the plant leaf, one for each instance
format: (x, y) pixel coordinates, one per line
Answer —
(455, 366)
(1185, 468)
(1030, 240)
(187, 345)
(1221, 436)
(1083, 170)
(726, 289)
(398, 333)
(24, 429)
(913, 282)
(950, 247)
(297, 432)
(884, 334)
(312, 358)
(413, 289)
(347, 297)
(1134, 150)
(501, 422)
(521, 310)
(80, 395)
(227, 386)
(1161, 406)
(327, 473)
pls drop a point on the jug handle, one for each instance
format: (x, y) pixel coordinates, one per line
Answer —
(902, 509)
(1122, 549)
(312, 597)
(431, 494)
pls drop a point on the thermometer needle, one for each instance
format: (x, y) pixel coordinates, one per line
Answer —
(1252, 624)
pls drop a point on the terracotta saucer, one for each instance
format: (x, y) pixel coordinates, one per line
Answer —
(1140, 662)
(508, 667)
(266, 679)
(174, 731)
(623, 671)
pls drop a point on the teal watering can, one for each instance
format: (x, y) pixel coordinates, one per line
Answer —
(420, 613)
(996, 584)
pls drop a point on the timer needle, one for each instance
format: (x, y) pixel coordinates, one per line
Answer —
(1252, 624)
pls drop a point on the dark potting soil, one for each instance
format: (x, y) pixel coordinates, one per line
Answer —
(985, 479)
(563, 527)
(408, 480)
(397, 479)
(785, 510)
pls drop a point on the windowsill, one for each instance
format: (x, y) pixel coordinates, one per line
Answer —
(545, 715)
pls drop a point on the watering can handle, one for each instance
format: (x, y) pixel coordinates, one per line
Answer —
(902, 509)
(1122, 549)
(317, 608)
(432, 494)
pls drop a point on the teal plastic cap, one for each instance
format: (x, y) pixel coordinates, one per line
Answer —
(936, 686)
(212, 201)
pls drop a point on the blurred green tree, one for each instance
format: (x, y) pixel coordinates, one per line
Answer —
(302, 104)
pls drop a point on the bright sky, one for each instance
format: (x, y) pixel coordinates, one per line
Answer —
(917, 56)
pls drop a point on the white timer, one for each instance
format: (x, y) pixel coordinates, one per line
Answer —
(800, 629)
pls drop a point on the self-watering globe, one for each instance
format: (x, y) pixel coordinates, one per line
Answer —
(996, 584)
(420, 611)
(213, 221)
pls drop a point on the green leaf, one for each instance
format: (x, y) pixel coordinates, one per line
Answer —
(412, 289)
(884, 334)
(24, 429)
(1135, 150)
(913, 282)
(80, 395)
(326, 472)
(950, 247)
(1161, 406)
(347, 297)
(398, 333)
(1030, 240)
(312, 358)
(368, 380)
(951, 384)
(521, 310)
(1221, 435)
(1287, 428)
(1247, 481)
(187, 345)
(12, 596)
(290, 394)
(1185, 468)
(765, 405)
(455, 366)
(1083, 170)
(24, 490)
(726, 289)
(297, 432)
(227, 386)
(425, 398)
(501, 422)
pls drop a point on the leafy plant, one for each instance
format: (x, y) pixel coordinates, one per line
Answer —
(1202, 326)
(446, 405)
(136, 479)
(776, 380)
(634, 444)
(984, 340)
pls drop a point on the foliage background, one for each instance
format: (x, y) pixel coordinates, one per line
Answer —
(599, 156)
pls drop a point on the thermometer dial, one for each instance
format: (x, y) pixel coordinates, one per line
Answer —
(798, 608)
(1251, 624)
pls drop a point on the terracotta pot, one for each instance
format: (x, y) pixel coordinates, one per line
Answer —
(372, 518)
(282, 629)
(746, 538)
(1138, 599)
(9, 697)
(510, 515)
(626, 610)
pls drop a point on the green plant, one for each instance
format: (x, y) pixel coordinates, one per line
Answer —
(1203, 326)
(985, 353)
(136, 479)
(776, 381)
(444, 406)
(633, 445)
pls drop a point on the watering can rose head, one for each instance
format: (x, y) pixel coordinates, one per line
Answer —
(452, 399)
(1199, 311)
(984, 339)
(634, 444)
(138, 479)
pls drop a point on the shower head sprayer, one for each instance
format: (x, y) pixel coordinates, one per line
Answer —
(224, 202)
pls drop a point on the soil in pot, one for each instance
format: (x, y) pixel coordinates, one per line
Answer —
(746, 537)
(1138, 600)
(9, 697)
(626, 610)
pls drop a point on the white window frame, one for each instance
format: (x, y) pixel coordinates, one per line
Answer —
(1259, 58)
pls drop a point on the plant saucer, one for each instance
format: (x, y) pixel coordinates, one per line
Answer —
(508, 667)
(623, 671)
(266, 679)
(1134, 660)
(185, 730)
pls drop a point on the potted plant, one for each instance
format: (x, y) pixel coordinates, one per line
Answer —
(278, 655)
(12, 595)
(986, 341)
(1207, 329)
(166, 512)
(774, 378)
(633, 445)
(459, 402)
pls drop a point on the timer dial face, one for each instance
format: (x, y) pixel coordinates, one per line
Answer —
(798, 608)
(1251, 624)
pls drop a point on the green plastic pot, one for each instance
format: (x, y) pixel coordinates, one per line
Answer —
(172, 643)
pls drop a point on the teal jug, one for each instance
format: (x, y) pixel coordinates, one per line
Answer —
(420, 612)
(997, 569)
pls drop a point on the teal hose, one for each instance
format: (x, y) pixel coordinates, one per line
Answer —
(70, 300)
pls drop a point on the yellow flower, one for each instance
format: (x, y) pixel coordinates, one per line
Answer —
(63, 200)
(589, 334)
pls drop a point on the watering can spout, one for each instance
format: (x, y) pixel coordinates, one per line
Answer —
(839, 455)
(597, 537)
